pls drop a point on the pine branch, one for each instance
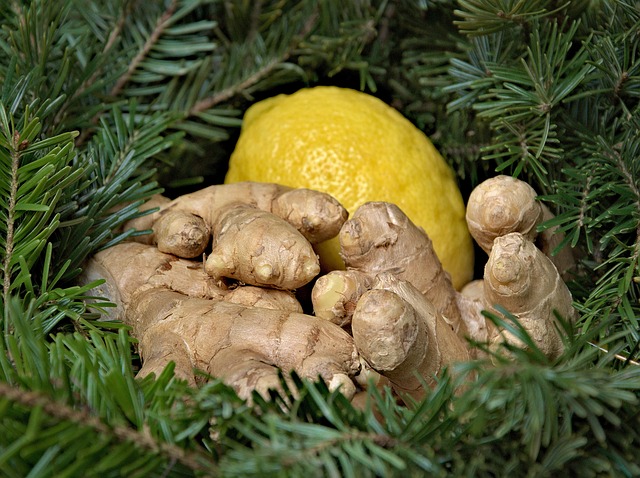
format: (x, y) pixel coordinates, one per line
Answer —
(523, 414)
(61, 412)
(160, 26)
(34, 174)
(246, 84)
(13, 192)
(116, 90)
(80, 392)
(600, 213)
(119, 180)
(113, 38)
(481, 17)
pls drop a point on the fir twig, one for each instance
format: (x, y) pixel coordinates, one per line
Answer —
(263, 72)
(110, 43)
(116, 90)
(83, 418)
(160, 26)
(16, 147)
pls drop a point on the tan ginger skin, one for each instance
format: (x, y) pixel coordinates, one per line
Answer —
(317, 216)
(278, 255)
(524, 281)
(184, 313)
(399, 332)
(184, 227)
(396, 334)
(407, 320)
(504, 204)
(265, 210)
(179, 314)
(380, 238)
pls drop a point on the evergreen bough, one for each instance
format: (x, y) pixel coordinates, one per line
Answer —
(103, 104)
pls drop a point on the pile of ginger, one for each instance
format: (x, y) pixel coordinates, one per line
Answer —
(213, 287)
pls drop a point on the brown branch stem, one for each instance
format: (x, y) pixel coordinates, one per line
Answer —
(13, 194)
(161, 24)
(232, 91)
(62, 411)
(113, 37)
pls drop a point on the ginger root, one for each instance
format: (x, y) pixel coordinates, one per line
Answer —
(399, 332)
(407, 320)
(283, 257)
(316, 215)
(178, 313)
(380, 238)
(259, 248)
(503, 204)
(394, 309)
(523, 280)
(241, 332)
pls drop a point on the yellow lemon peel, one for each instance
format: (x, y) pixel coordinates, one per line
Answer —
(357, 148)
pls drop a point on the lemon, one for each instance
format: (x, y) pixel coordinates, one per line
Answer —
(357, 148)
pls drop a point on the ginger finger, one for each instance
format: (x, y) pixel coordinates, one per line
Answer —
(259, 248)
(143, 266)
(182, 234)
(402, 336)
(285, 340)
(174, 232)
(335, 295)
(169, 323)
(379, 314)
(144, 222)
(316, 215)
(148, 267)
(241, 248)
(503, 204)
(520, 278)
(380, 238)
(499, 206)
